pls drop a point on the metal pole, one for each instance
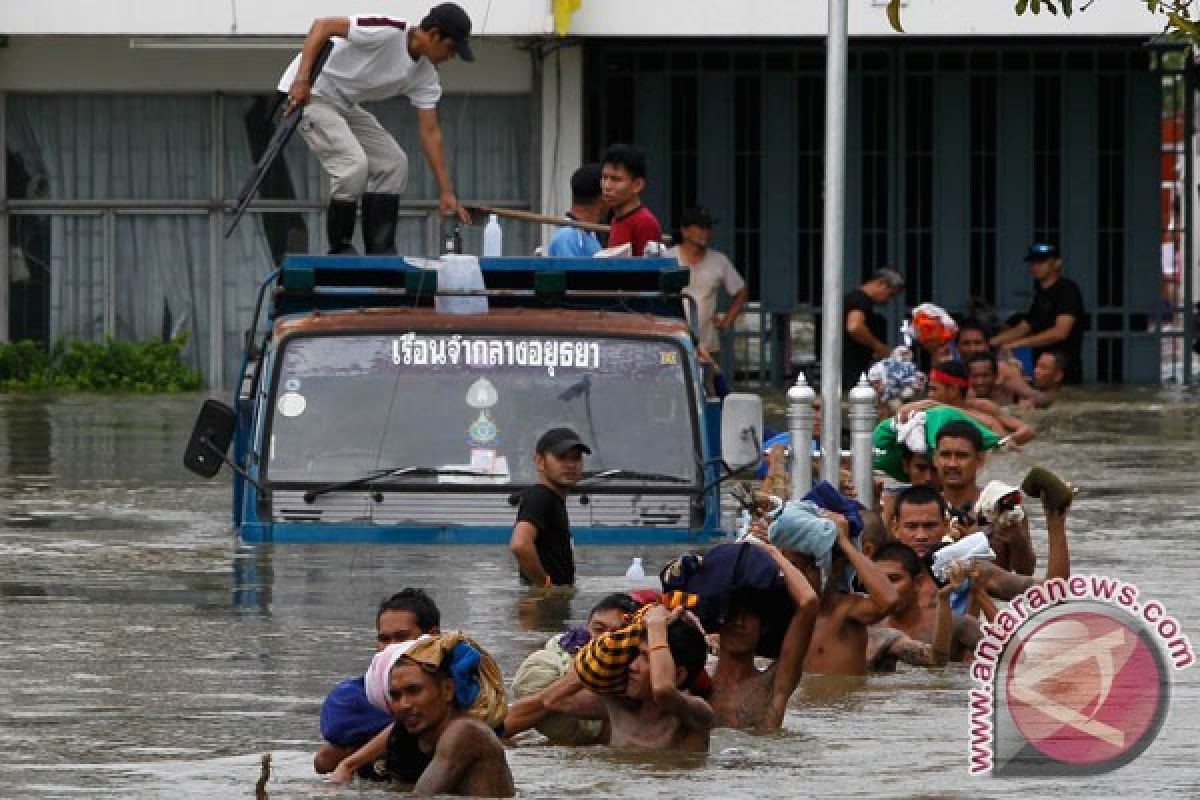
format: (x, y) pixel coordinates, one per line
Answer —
(1187, 272)
(863, 413)
(833, 250)
(800, 424)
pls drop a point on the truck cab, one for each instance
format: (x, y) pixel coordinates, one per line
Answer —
(370, 411)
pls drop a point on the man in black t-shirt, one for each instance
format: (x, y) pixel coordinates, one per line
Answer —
(1055, 320)
(865, 338)
(541, 538)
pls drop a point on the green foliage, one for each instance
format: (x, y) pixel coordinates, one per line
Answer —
(108, 366)
(1176, 15)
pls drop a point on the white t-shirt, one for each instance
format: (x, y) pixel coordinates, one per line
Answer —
(712, 272)
(372, 63)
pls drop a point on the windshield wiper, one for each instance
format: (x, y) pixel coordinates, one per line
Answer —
(381, 474)
(606, 474)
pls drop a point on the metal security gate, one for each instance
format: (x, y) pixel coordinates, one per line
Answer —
(958, 158)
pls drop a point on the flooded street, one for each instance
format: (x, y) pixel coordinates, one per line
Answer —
(143, 653)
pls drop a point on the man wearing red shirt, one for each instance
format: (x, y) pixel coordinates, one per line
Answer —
(622, 180)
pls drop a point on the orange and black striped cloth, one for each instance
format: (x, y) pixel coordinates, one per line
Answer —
(603, 663)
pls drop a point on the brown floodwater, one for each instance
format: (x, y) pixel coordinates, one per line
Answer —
(145, 653)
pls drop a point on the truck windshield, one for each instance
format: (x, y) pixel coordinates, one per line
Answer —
(346, 405)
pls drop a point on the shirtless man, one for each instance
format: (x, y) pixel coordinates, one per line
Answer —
(401, 618)
(1008, 384)
(949, 384)
(656, 711)
(744, 696)
(468, 759)
(839, 639)
(958, 457)
(918, 613)
(920, 471)
(1048, 373)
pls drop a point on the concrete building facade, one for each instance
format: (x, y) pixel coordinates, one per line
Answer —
(128, 127)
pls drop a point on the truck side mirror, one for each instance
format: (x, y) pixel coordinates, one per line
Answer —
(210, 438)
(741, 430)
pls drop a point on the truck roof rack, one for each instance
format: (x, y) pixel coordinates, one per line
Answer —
(640, 285)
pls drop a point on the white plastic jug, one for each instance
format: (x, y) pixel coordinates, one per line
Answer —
(460, 272)
(493, 238)
(636, 571)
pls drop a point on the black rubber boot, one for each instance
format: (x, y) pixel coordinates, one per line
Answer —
(339, 227)
(379, 223)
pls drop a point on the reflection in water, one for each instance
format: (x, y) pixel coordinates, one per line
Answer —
(253, 577)
(144, 653)
(545, 611)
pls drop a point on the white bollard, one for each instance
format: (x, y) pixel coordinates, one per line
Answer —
(800, 423)
(863, 414)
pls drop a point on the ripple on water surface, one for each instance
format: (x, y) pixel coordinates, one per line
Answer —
(142, 653)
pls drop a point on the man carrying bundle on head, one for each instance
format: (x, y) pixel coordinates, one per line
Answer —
(646, 679)
(447, 696)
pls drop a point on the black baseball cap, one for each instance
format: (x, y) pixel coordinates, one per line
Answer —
(560, 441)
(1041, 251)
(454, 24)
(699, 216)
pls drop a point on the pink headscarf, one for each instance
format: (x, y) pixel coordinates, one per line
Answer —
(379, 673)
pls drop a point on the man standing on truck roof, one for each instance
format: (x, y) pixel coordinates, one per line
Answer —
(374, 57)
(541, 538)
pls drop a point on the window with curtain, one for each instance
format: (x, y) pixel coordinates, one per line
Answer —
(128, 149)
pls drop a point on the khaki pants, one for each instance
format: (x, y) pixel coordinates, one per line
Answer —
(359, 155)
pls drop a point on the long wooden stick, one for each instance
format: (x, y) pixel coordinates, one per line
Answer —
(540, 219)
(546, 219)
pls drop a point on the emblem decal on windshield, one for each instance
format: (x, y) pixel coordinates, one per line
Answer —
(483, 431)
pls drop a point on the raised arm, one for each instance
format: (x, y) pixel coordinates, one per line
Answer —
(693, 712)
(795, 639)
(881, 597)
(1006, 585)
(431, 143)
(943, 631)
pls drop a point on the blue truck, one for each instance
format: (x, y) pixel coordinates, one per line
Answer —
(379, 406)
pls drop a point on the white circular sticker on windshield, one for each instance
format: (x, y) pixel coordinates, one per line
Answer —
(292, 404)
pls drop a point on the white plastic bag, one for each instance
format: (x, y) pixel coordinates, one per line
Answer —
(458, 272)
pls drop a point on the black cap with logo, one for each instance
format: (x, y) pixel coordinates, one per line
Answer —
(560, 441)
(454, 24)
(1041, 251)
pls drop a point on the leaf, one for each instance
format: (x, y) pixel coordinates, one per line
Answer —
(1185, 26)
(1035, 6)
(1022, 6)
(893, 15)
(1066, 8)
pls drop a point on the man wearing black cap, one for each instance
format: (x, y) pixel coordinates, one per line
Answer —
(709, 271)
(374, 57)
(1056, 316)
(541, 539)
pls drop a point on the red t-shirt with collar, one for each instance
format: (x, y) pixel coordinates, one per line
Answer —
(636, 227)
